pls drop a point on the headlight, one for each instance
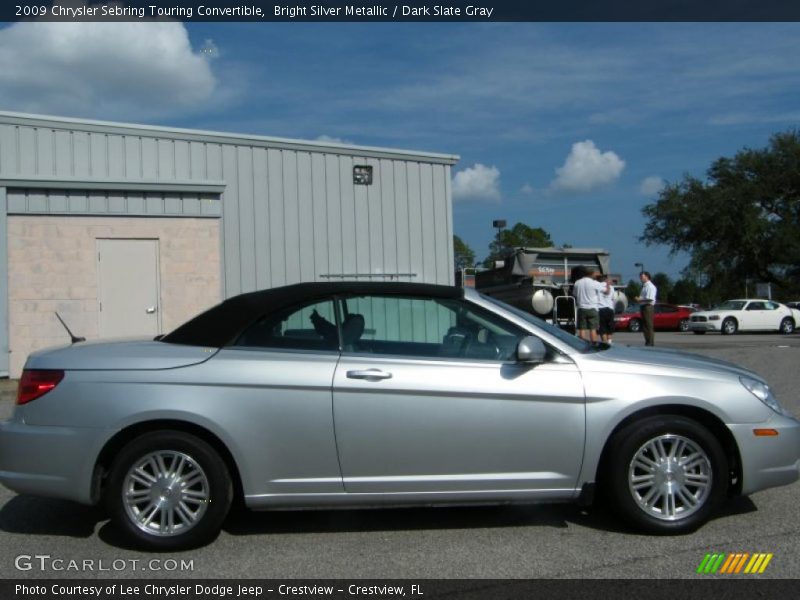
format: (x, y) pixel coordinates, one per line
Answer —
(713, 318)
(763, 393)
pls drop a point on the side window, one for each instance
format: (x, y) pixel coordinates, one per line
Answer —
(756, 306)
(415, 327)
(668, 309)
(771, 306)
(304, 327)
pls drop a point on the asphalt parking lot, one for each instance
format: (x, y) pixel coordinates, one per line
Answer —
(557, 541)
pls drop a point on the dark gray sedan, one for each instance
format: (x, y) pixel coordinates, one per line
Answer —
(380, 394)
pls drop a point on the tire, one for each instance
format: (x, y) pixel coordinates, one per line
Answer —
(786, 326)
(699, 332)
(683, 325)
(729, 326)
(635, 325)
(147, 467)
(681, 497)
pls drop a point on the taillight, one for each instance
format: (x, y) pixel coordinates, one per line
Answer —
(35, 383)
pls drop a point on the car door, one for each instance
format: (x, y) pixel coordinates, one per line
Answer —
(658, 316)
(430, 399)
(276, 383)
(756, 316)
(667, 316)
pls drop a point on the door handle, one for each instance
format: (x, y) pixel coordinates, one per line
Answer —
(369, 375)
(150, 310)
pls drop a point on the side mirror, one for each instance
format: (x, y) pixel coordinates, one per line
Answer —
(531, 350)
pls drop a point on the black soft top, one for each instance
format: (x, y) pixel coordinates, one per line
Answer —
(220, 325)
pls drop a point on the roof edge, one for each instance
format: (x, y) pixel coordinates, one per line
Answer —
(30, 119)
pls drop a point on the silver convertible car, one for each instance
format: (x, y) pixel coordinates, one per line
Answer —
(385, 394)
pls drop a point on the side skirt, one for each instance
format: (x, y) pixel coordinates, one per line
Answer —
(401, 499)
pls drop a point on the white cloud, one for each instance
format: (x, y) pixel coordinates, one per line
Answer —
(328, 139)
(128, 70)
(478, 182)
(650, 186)
(527, 189)
(587, 168)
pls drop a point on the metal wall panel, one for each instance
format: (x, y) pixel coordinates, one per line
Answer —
(290, 212)
(22, 201)
(4, 348)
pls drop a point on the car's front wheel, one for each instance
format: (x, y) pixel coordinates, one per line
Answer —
(787, 326)
(729, 326)
(666, 474)
(169, 490)
(635, 325)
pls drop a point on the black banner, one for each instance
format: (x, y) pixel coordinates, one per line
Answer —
(408, 11)
(425, 589)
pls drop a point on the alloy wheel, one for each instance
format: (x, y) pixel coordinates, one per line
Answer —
(166, 493)
(670, 477)
(787, 326)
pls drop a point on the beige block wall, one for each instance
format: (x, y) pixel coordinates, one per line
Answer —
(52, 266)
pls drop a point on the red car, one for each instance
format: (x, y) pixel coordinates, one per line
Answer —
(665, 316)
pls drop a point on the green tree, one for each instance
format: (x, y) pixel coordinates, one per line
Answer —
(519, 236)
(740, 223)
(688, 291)
(633, 289)
(685, 291)
(664, 286)
(464, 255)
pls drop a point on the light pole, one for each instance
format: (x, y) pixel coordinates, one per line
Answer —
(499, 224)
(641, 267)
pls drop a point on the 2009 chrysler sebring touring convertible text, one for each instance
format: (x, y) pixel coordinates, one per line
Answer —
(379, 394)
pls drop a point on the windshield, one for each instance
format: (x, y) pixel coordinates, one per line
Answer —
(566, 337)
(731, 305)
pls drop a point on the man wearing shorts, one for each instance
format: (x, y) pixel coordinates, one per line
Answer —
(587, 290)
(606, 313)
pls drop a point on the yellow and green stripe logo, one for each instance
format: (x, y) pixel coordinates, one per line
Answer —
(734, 563)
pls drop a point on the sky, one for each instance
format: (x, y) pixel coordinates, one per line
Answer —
(565, 126)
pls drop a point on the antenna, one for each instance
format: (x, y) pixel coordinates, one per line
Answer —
(72, 337)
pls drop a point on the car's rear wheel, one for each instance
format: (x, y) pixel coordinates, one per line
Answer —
(635, 325)
(787, 326)
(729, 326)
(169, 490)
(666, 474)
(683, 325)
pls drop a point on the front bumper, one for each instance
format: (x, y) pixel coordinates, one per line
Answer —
(49, 461)
(705, 326)
(768, 461)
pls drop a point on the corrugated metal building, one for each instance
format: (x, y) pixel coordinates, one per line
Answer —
(129, 229)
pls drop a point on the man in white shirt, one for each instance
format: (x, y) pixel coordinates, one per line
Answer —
(586, 292)
(647, 300)
(606, 312)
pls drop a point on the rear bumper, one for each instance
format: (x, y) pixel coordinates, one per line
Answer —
(769, 461)
(49, 461)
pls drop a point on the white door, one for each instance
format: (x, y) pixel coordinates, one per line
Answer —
(128, 290)
(758, 317)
